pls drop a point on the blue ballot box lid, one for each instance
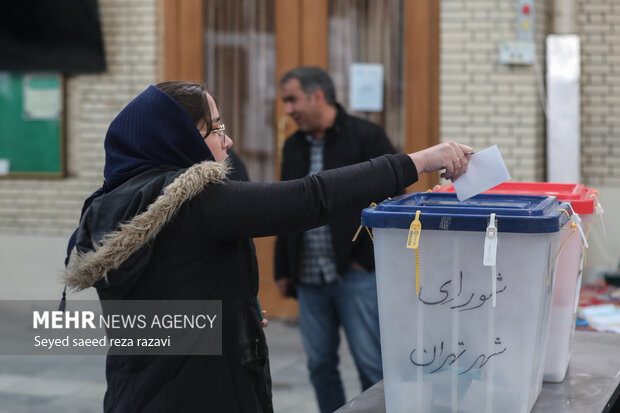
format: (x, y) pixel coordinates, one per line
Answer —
(443, 211)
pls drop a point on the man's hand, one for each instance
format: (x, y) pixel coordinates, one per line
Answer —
(282, 285)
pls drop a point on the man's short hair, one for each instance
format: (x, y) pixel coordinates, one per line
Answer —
(312, 78)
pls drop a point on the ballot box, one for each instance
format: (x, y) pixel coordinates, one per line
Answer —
(584, 202)
(464, 292)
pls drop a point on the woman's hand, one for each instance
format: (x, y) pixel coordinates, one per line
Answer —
(451, 156)
(264, 322)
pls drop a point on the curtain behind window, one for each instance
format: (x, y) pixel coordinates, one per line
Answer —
(370, 31)
(239, 41)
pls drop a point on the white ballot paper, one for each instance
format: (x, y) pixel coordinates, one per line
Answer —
(485, 170)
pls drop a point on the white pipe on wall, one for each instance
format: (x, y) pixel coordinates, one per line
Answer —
(564, 17)
(563, 96)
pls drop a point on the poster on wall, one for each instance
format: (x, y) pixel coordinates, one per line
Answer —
(42, 99)
(366, 91)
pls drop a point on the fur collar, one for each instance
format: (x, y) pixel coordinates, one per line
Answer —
(85, 269)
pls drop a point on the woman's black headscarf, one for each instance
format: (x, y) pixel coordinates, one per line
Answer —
(152, 130)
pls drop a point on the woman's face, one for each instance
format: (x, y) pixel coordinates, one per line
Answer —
(217, 141)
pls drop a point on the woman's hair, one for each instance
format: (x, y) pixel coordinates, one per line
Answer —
(192, 97)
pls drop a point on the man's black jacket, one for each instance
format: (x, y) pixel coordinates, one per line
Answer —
(350, 140)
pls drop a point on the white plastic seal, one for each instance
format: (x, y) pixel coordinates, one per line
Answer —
(490, 253)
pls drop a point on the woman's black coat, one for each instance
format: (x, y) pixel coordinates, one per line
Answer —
(170, 233)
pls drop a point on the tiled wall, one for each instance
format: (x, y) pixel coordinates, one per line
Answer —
(598, 24)
(53, 206)
(484, 102)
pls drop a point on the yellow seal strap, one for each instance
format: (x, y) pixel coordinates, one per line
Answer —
(573, 227)
(359, 229)
(598, 210)
(413, 242)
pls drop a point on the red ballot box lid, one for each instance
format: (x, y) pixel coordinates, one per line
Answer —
(582, 198)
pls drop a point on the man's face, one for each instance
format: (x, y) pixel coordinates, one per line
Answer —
(302, 108)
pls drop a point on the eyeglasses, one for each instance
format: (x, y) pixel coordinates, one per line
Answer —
(221, 132)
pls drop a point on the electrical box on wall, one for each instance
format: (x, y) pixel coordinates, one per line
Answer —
(520, 51)
(516, 53)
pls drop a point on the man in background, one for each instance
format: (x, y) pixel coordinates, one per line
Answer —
(332, 276)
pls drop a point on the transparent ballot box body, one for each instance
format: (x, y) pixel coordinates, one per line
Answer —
(569, 267)
(448, 347)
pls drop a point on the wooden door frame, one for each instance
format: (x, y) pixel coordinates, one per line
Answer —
(421, 72)
(301, 28)
(181, 40)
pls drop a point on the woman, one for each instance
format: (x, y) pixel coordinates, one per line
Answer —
(167, 224)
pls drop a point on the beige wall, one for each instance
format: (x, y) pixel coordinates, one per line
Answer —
(483, 102)
(52, 207)
(597, 23)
